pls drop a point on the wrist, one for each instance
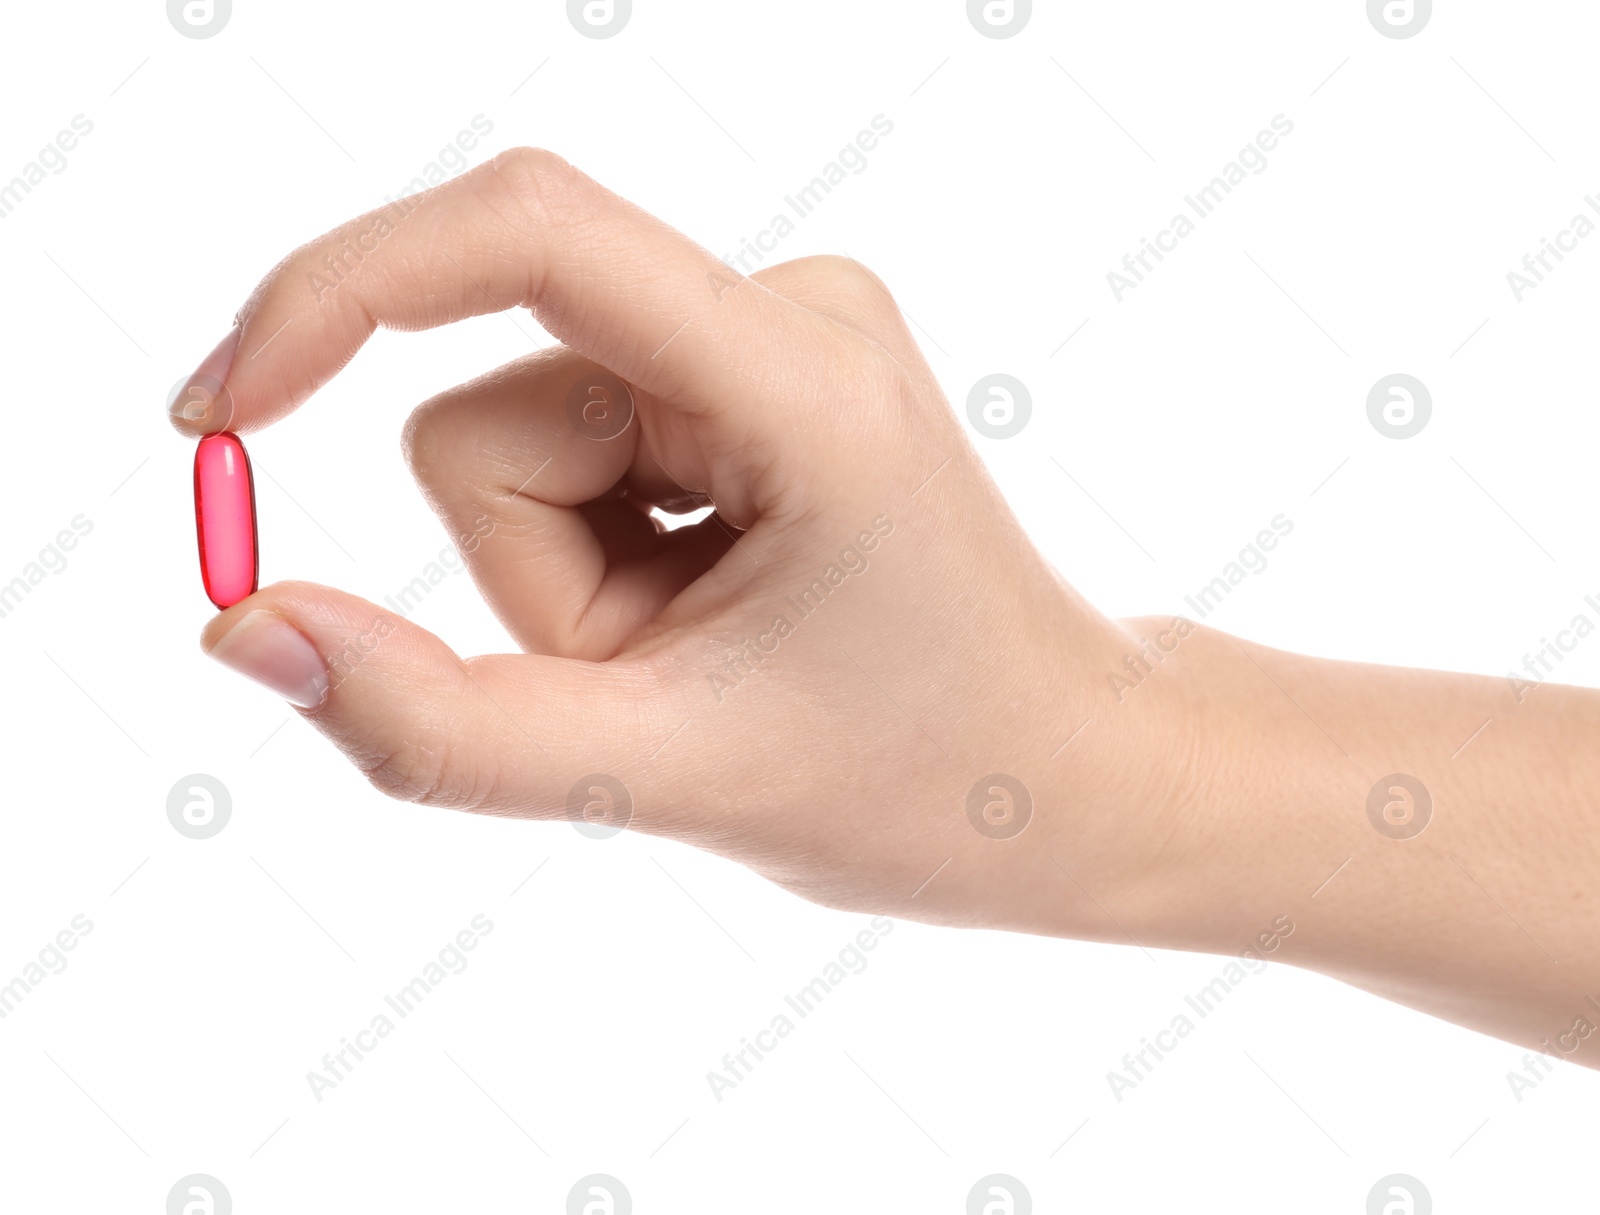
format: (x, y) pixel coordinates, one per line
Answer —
(1181, 796)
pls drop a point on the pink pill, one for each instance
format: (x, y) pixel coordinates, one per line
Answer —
(225, 518)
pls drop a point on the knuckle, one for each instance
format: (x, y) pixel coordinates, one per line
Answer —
(429, 441)
(855, 281)
(420, 440)
(443, 438)
(846, 368)
(536, 179)
(883, 379)
(417, 772)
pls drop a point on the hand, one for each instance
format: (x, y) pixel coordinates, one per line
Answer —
(826, 679)
(857, 676)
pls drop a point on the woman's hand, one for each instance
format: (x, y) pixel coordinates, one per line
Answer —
(857, 676)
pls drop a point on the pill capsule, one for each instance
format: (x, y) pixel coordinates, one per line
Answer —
(225, 518)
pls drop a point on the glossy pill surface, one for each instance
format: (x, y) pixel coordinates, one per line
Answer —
(225, 518)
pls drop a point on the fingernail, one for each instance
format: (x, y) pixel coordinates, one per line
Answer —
(201, 404)
(271, 651)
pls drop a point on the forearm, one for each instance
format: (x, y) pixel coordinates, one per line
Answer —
(1470, 895)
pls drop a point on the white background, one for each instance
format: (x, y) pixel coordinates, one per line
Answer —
(1228, 388)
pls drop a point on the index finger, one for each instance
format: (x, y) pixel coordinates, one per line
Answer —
(524, 230)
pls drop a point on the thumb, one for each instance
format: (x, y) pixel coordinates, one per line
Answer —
(509, 734)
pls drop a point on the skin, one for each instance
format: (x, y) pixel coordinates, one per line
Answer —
(1193, 807)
